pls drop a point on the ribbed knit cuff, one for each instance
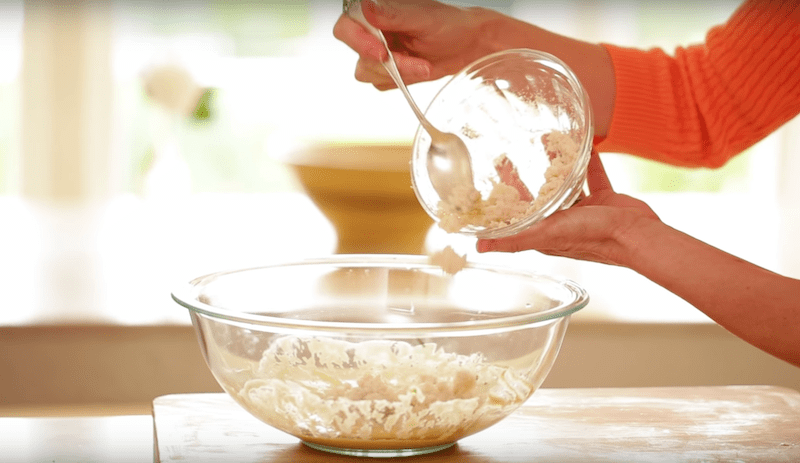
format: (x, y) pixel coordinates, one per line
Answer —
(635, 122)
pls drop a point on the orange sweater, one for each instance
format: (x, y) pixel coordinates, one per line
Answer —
(707, 103)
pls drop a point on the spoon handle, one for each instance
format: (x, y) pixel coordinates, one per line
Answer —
(391, 68)
(352, 8)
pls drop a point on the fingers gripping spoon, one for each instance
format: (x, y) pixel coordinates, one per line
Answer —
(449, 165)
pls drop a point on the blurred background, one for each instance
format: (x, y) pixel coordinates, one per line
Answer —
(146, 143)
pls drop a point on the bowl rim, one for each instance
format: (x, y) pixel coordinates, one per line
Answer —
(574, 181)
(185, 295)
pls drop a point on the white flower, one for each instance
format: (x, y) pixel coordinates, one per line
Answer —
(173, 88)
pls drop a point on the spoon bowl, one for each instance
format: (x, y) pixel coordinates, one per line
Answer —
(448, 164)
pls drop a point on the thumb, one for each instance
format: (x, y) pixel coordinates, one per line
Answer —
(596, 175)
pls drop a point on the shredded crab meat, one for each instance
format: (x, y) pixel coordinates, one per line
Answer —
(509, 200)
(448, 259)
(379, 390)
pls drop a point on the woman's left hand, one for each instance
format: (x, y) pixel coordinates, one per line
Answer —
(593, 229)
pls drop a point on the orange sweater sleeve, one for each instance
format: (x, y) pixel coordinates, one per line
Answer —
(709, 102)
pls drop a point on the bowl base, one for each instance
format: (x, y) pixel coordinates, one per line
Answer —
(379, 453)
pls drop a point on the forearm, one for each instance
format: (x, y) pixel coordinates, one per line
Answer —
(759, 306)
(590, 62)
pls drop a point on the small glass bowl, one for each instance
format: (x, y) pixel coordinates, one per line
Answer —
(380, 355)
(509, 103)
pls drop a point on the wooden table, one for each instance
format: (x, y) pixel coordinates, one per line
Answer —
(691, 424)
(648, 425)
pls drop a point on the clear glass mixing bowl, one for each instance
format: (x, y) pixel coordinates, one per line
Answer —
(518, 105)
(380, 355)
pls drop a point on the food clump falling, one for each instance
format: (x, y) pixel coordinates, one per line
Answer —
(449, 260)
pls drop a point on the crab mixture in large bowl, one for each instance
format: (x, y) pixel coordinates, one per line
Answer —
(380, 355)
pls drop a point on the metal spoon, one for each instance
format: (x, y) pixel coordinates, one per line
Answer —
(449, 164)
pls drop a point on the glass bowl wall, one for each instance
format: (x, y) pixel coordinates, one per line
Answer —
(508, 104)
(380, 355)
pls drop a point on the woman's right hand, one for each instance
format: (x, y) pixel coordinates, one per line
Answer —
(429, 39)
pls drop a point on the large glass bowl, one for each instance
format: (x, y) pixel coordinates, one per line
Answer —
(522, 106)
(380, 355)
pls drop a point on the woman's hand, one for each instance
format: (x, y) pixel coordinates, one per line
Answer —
(429, 39)
(594, 229)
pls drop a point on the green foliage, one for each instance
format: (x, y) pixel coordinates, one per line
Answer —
(204, 110)
(651, 176)
(255, 27)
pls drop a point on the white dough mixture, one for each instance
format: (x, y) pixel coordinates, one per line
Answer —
(352, 394)
(508, 201)
(448, 259)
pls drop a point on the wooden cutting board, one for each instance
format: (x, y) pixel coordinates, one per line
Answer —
(671, 424)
